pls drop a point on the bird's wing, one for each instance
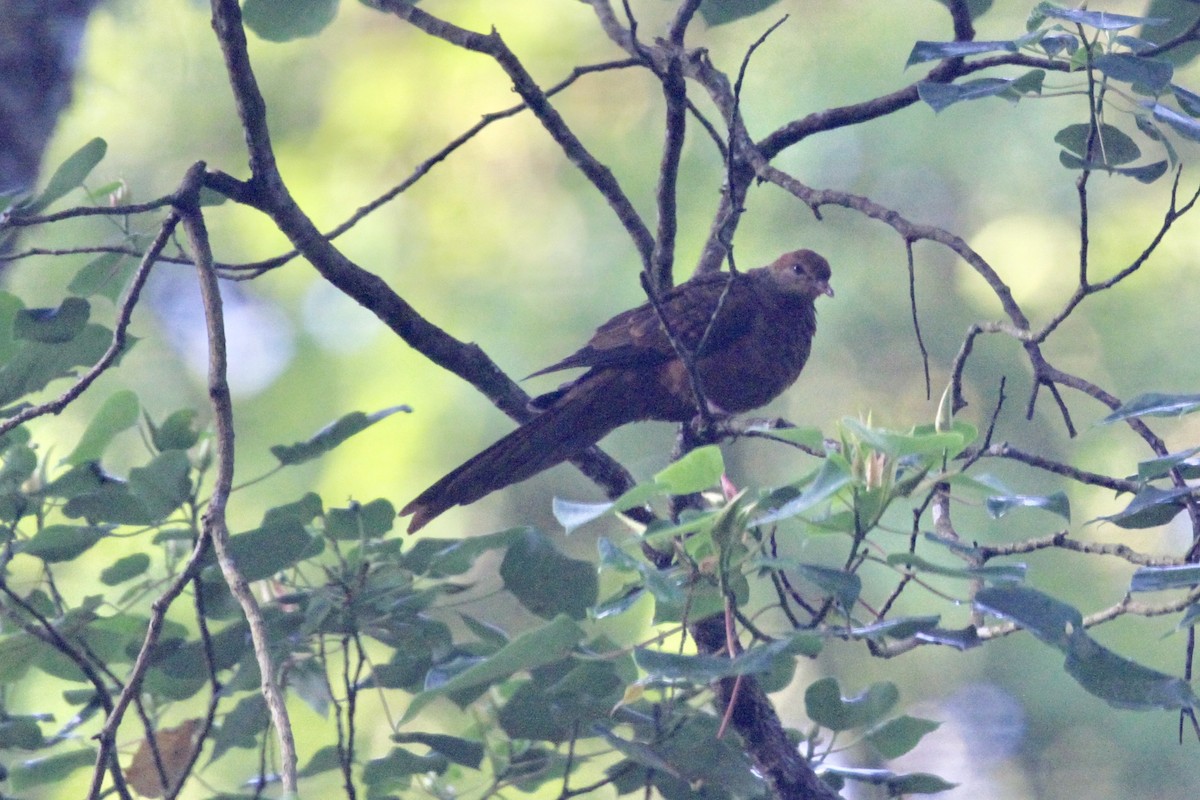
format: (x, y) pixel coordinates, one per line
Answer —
(636, 337)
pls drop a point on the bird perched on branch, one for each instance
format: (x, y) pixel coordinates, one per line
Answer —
(746, 334)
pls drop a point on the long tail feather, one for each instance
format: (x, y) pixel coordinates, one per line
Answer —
(577, 421)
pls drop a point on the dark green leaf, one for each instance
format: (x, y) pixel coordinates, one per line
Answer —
(845, 587)
(1056, 503)
(898, 736)
(106, 275)
(176, 432)
(1150, 507)
(547, 582)
(323, 760)
(992, 573)
(664, 666)
(56, 543)
(124, 569)
(935, 51)
(939, 96)
(69, 175)
(719, 12)
(285, 20)
(1100, 20)
(700, 469)
(1161, 467)
(53, 325)
(441, 558)
(1055, 42)
(1184, 126)
(550, 642)
(1155, 405)
(561, 697)
(21, 733)
(331, 436)
(162, 485)
(1151, 73)
(306, 678)
(1051, 620)
(900, 628)
(52, 769)
(1188, 101)
(241, 726)
(833, 475)
(370, 521)
(467, 752)
(119, 413)
(1157, 579)
(1121, 682)
(35, 364)
(895, 784)
(825, 705)
(1111, 146)
(266, 551)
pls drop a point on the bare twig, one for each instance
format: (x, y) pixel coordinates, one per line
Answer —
(215, 526)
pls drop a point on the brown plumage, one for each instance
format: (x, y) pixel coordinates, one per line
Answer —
(750, 333)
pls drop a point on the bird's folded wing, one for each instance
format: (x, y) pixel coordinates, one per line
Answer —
(636, 337)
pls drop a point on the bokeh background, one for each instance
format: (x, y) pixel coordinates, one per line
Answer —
(504, 244)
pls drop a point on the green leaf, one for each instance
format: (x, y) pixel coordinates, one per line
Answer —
(35, 364)
(1157, 579)
(1111, 147)
(550, 642)
(1123, 683)
(241, 726)
(936, 51)
(285, 20)
(106, 275)
(21, 733)
(271, 549)
(1155, 405)
(119, 413)
(547, 582)
(899, 628)
(177, 431)
(1051, 620)
(323, 760)
(467, 752)
(56, 543)
(442, 558)
(898, 736)
(895, 784)
(1188, 101)
(844, 586)
(125, 569)
(1150, 507)
(53, 325)
(833, 476)
(572, 514)
(1056, 503)
(306, 678)
(331, 436)
(720, 12)
(923, 440)
(940, 96)
(825, 705)
(1161, 467)
(69, 175)
(52, 769)
(700, 669)
(993, 573)
(370, 521)
(1184, 126)
(1151, 73)
(700, 469)
(1100, 20)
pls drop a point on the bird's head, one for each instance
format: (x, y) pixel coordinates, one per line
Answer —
(802, 272)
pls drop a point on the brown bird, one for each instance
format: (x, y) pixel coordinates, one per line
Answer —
(749, 333)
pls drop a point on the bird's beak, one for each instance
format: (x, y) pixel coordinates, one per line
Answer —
(825, 288)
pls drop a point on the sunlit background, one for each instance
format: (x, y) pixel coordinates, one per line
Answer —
(504, 244)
